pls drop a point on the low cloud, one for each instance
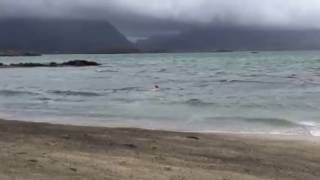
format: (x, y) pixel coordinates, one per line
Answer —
(174, 14)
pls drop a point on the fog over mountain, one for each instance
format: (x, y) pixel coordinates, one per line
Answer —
(231, 38)
(130, 14)
(145, 18)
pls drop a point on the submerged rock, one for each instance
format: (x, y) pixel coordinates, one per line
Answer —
(27, 65)
(74, 63)
(80, 63)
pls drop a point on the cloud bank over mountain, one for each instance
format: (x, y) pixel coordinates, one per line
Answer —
(168, 15)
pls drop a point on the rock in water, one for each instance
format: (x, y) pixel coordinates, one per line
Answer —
(74, 63)
(27, 65)
(80, 63)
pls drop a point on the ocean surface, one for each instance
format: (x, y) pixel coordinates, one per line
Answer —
(238, 92)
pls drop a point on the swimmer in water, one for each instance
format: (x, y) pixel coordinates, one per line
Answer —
(156, 88)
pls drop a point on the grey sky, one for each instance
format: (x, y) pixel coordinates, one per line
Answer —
(138, 17)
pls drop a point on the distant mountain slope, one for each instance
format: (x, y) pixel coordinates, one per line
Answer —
(235, 39)
(52, 35)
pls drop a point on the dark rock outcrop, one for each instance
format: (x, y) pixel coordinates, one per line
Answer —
(26, 65)
(80, 63)
(74, 63)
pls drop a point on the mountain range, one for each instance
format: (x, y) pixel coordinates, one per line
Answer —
(231, 38)
(98, 36)
(61, 36)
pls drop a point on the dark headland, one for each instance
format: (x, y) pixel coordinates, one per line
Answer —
(22, 35)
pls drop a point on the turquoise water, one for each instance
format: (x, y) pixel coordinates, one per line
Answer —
(241, 92)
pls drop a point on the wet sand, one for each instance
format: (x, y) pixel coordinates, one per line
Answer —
(42, 151)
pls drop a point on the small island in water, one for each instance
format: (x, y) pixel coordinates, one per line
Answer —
(74, 63)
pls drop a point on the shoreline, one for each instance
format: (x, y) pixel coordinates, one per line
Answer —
(41, 151)
(84, 123)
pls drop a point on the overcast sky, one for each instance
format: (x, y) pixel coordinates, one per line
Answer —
(145, 17)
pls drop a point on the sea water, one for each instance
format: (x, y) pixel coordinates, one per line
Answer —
(239, 92)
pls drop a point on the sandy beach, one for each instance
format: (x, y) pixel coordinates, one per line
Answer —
(42, 151)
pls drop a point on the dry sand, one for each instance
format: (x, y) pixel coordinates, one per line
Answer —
(35, 151)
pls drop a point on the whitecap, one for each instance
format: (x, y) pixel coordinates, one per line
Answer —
(308, 123)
